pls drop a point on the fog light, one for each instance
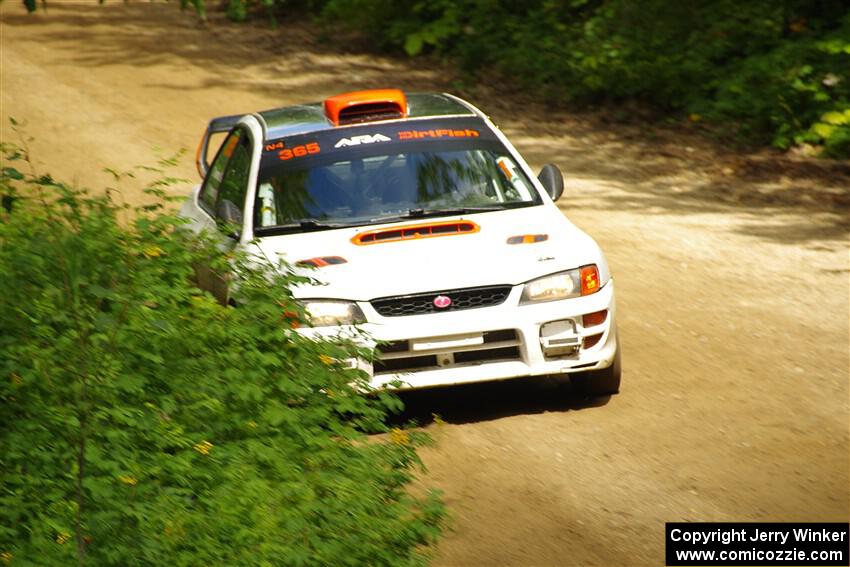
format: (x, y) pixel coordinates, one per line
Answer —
(559, 338)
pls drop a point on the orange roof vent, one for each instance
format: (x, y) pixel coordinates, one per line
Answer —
(366, 106)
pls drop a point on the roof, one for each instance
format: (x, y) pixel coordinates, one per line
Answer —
(300, 118)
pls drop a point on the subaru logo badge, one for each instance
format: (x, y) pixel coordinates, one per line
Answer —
(442, 301)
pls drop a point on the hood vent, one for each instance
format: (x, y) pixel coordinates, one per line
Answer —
(366, 106)
(416, 231)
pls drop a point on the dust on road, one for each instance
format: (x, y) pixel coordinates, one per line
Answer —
(732, 275)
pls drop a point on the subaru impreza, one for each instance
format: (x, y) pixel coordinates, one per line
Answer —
(423, 228)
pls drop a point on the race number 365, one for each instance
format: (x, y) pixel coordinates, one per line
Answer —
(299, 151)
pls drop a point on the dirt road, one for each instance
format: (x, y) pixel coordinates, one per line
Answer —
(732, 275)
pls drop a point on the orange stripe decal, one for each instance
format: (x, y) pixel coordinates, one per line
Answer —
(231, 145)
(322, 261)
(504, 167)
(198, 156)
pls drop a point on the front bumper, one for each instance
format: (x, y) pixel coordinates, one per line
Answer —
(490, 343)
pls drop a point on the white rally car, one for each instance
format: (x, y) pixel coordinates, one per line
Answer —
(429, 231)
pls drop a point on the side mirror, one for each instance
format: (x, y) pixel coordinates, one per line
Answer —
(553, 180)
(229, 217)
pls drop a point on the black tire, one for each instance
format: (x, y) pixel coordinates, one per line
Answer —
(604, 382)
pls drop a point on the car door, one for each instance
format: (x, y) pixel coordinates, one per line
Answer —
(222, 199)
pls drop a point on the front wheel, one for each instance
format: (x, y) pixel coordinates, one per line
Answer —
(604, 382)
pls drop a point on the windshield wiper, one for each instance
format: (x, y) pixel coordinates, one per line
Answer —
(305, 225)
(423, 213)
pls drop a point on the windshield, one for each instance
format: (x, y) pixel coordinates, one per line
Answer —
(381, 174)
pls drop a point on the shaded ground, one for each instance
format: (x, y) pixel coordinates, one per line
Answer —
(731, 270)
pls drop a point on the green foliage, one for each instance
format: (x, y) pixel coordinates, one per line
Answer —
(200, 7)
(780, 96)
(833, 130)
(237, 10)
(764, 70)
(142, 423)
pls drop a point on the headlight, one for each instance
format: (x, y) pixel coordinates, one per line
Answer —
(323, 313)
(563, 285)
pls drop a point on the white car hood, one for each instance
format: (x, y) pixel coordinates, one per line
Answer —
(438, 263)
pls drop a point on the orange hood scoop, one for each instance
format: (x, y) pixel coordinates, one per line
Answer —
(416, 231)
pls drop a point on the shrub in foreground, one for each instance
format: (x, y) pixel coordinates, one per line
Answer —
(142, 423)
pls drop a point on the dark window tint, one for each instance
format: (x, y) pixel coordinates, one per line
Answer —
(209, 192)
(380, 172)
(385, 185)
(234, 182)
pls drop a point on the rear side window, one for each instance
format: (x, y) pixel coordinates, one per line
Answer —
(234, 182)
(209, 192)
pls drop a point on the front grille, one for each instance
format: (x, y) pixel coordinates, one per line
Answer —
(498, 346)
(421, 303)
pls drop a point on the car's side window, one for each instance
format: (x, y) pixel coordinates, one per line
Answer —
(234, 182)
(208, 196)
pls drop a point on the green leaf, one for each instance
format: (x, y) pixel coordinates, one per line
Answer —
(823, 130)
(413, 44)
(275, 414)
(836, 118)
(12, 173)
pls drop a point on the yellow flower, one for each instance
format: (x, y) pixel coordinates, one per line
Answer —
(6, 557)
(326, 360)
(252, 424)
(127, 479)
(203, 447)
(399, 436)
(173, 531)
(153, 251)
(62, 537)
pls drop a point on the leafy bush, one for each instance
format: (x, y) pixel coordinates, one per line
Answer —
(145, 424)
(767, 71)
(782, 95)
